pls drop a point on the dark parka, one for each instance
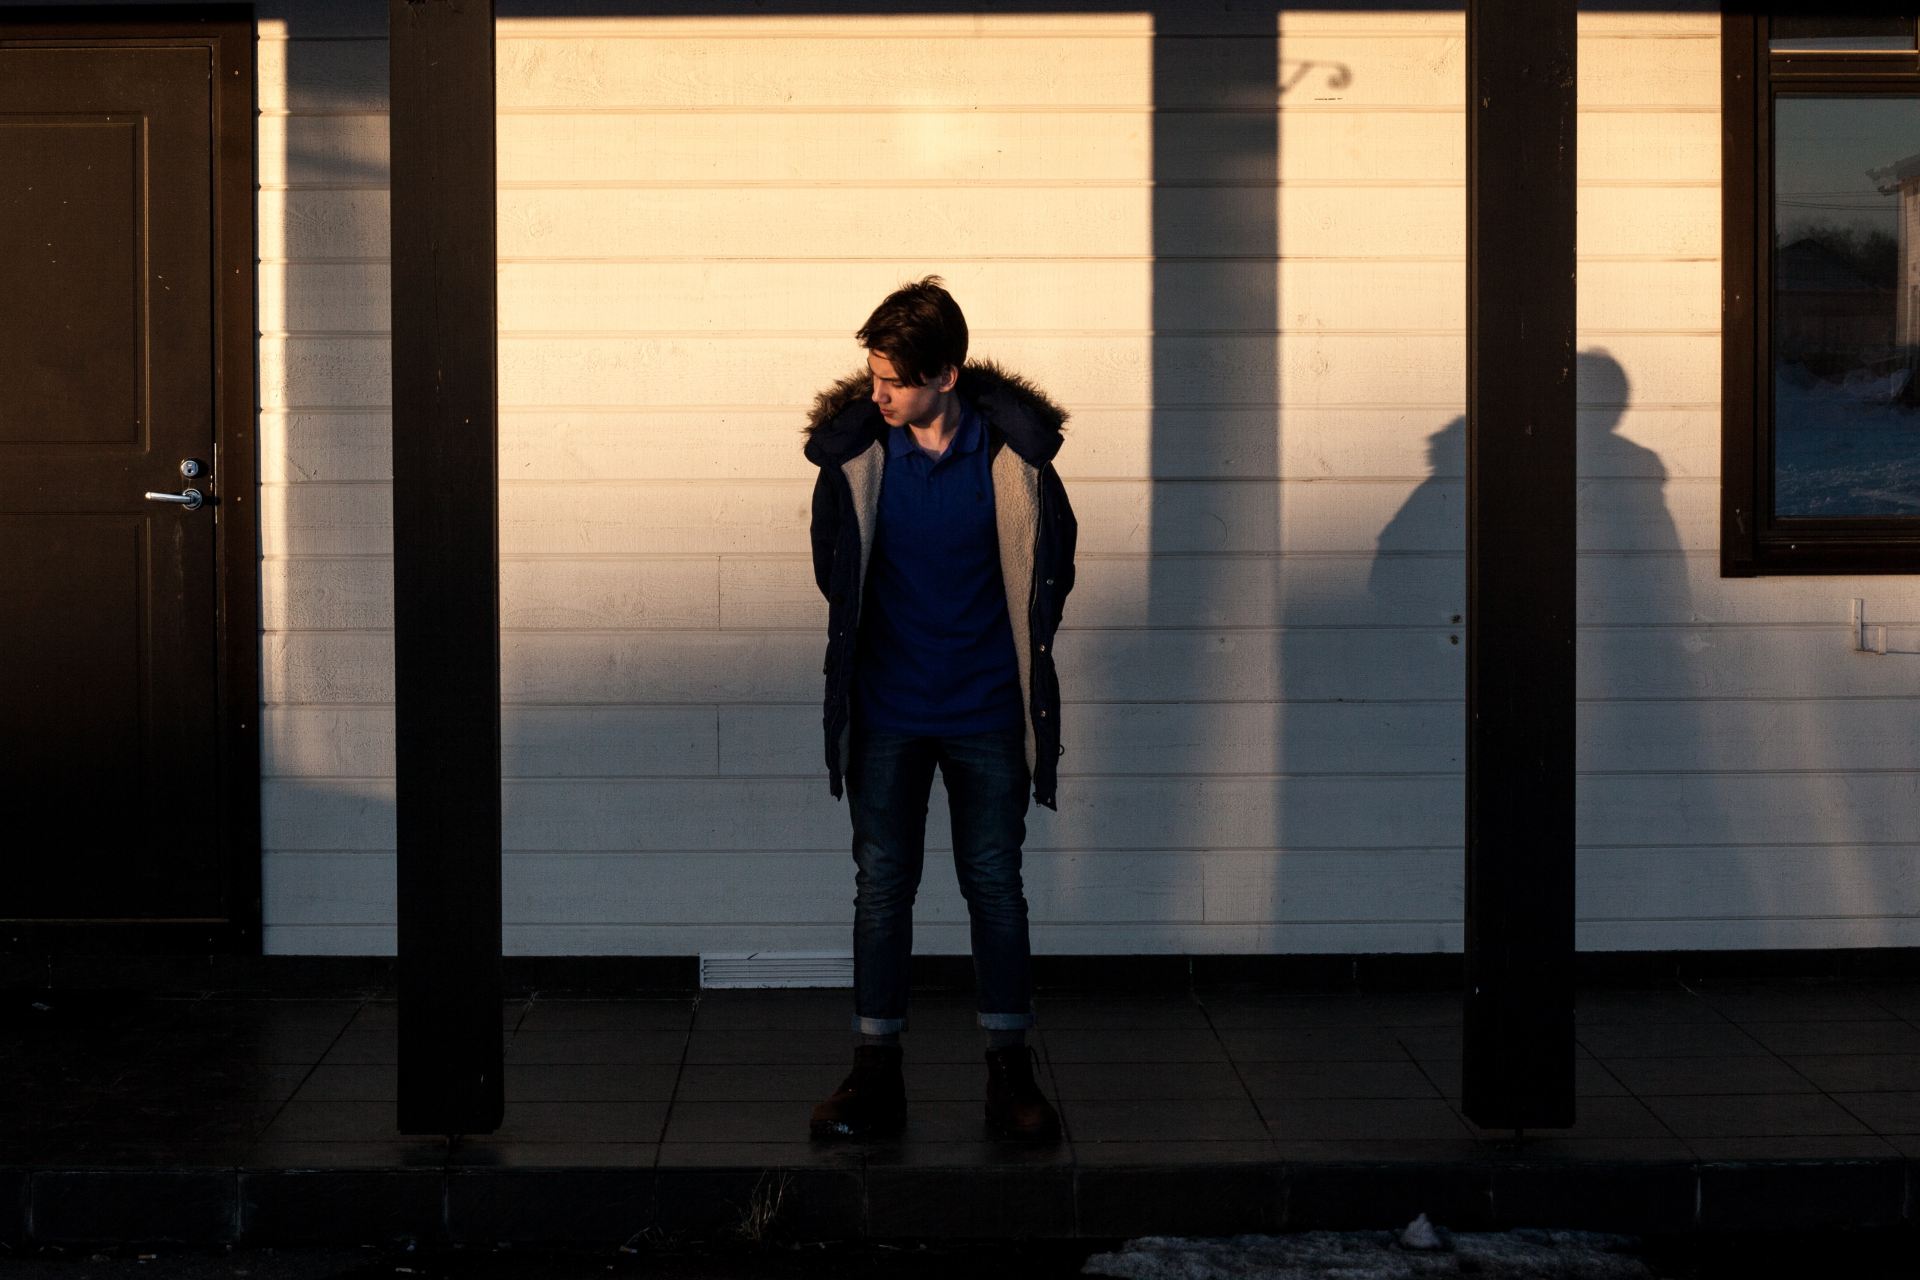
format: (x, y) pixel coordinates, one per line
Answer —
(846, 439)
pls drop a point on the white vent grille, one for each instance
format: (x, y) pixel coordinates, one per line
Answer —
(775, 969)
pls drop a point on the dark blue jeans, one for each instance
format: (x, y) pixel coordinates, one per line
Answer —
(889, 778)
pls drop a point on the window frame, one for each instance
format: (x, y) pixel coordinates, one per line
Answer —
(1753, 541)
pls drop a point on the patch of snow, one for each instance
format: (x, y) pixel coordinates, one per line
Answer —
(1845, 448)
(1421, 1234)
(1376, 1255)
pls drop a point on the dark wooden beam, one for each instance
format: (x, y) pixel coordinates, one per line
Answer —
(446, 560)
(1518, 1068)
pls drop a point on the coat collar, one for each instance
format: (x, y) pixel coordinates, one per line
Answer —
(845, 421)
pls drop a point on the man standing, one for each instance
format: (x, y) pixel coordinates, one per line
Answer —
(943, 542)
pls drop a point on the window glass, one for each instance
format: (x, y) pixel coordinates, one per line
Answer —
(1871, 35)
(1846, 306)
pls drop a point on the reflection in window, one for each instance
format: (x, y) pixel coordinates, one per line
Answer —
(1873, 35)
(1846, 306)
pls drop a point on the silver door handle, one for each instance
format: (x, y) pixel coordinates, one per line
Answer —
(188, 498)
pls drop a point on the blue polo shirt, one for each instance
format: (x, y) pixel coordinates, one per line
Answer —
(936, 648)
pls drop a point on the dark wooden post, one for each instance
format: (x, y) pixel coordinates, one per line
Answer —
(446, 560)
(1518, 1068)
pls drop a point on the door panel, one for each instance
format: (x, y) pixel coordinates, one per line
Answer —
(109, 680)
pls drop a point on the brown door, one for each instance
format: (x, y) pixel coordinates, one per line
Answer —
(109, 626)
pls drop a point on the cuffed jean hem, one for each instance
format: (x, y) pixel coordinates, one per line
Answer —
(1007, 1021)
(878, 1026)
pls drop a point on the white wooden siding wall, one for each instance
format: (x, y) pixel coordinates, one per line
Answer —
(1263, 728)
(1745, 779)
(326, 575)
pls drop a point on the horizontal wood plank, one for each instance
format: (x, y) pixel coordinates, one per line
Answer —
(758, 667)
(1324, 812)
(1165, 739)
(1298, 590)
(1296, 442)
(1031, 223)
(536, 742)
(717, 297)
(1063, 938)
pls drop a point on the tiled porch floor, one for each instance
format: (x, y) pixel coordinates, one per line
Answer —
(1246, 1091)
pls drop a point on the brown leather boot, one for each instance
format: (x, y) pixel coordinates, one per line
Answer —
(871, 1102)
(1016, 1108)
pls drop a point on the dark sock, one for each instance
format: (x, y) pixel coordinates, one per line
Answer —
(999, 1038)
(890, 1038)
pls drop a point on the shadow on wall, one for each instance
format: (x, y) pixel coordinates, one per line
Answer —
(1632, 733)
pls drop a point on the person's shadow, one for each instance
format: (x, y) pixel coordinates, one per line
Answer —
(1623, 516)
(1630, 577)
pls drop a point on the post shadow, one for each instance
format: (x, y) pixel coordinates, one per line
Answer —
(1213, 421)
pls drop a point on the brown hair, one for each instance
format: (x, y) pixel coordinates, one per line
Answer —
(919, 329)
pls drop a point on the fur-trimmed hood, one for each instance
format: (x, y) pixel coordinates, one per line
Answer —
(844, 420)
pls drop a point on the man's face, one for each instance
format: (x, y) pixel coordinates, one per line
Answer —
(900, 404)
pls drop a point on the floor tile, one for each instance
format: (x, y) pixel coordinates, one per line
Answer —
(1312, 1043)
(265, 1044)
(1399, 1078)
(210, 1079)
(362, 1048)
(1761, 1073)
(739, 1122)
(1404, 1009)
(334, 1122)
(1147, 1120)
(955, 1044)
(763, 1082)
(1346, 1119)
(706, 1047)
(607, 1015)
(1591, 1077)
(1163, 1080)
(1765, 1115)
(595, 1047)
(1901, 999)
(1880, 1036)
(1610, 1040)
(590, 1082)
(1088, 1044)
(945, 1121)
(1634, 1005)
(580, 1122)
(1884, 1112)
(351, 1082)
(384, 1015)
(1907, 1144)
(954, 1081)
(183, 1121)
(1146, 1014)
(1793, 1002)
(1595, 1118)
(1858, 1072)
(782, 1010)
